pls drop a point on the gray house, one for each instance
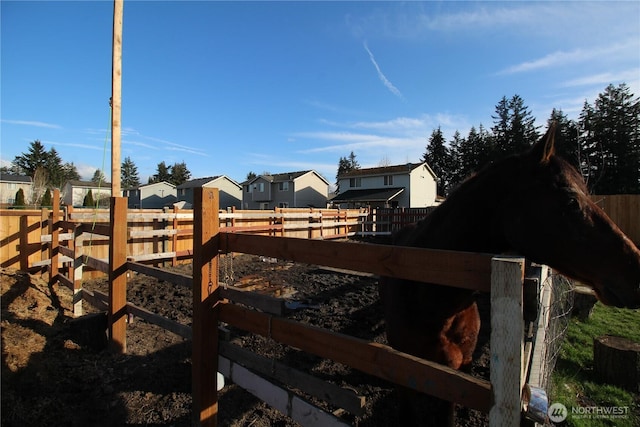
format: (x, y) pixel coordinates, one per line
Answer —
(74, 192)
(230, 191)
(151, 196)
(412, 185)
(285, 190)
(9, 186)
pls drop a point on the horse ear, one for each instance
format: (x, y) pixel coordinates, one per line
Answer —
(544, 149)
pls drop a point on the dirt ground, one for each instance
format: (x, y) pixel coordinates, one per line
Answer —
(51, 375)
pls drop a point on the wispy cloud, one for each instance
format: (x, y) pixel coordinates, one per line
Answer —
(76, 145)
(32, 123)
(171, 146)
(562, 58)
(605, 78)
(385, 81)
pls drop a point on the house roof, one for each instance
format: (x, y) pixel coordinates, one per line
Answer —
(385, 170)
(282, 177)
(15, 178)
(198, 182)
(201, 182)
(91, 184)
(157, 183)
(368, 195)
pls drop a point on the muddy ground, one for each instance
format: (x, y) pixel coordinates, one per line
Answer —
(52, 376)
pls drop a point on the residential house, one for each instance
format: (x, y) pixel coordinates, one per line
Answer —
(285, 190)
(151, 196)
(9, 186)
(412, 185)
(74, 192)
(230, 191)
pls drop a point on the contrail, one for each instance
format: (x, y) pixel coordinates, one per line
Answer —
(394, 90)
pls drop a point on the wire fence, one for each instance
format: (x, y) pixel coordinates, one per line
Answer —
(557, 307)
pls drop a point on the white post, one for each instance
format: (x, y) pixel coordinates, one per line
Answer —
(78, 266)
(507, 331)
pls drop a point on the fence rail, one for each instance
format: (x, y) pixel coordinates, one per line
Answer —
(156, 235)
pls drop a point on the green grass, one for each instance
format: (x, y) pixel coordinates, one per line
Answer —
(573, 383)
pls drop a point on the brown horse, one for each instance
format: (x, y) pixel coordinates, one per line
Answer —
(534, 204)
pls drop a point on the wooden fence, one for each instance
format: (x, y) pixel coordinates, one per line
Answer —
(157, 235)
(503, 277)
(623, 209)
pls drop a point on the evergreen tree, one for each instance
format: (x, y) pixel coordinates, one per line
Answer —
(54, 168)
(438, 157)
(98, 177)
(251, 175)
(346, 164)
(36, 157)
(47, 200)
(163, 173)
(459, 170)
(19, 200)
(70, 173)
(566, 138)
(611, 141)
(501, 128)
(129, 174)
(179, 174)
(514, 130)
(523, 130)
(88, 201)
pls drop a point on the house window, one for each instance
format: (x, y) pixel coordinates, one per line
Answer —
(249, 187)
(388, 180)
(355, 182)
(264, 206)
(283, 186)
(283, 205)
(259, 187)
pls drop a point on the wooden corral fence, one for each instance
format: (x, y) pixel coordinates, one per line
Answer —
(624, 210)
(385, 221)
(157, 235)
(212, 304)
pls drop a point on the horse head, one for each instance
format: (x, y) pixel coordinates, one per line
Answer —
(550, 218)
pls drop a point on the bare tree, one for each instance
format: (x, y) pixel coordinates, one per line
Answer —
(40, 179)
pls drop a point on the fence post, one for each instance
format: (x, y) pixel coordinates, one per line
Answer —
(174, 238)
(55, 234)
(118, 275)
(24, 242)
(77, 270)
(507, 330)
(44, 229)
(204, 354)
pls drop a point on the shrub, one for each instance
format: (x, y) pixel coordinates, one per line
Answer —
(19, 200)
(88, 200)
(47, 200)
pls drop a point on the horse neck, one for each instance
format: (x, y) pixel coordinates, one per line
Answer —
(469, 220)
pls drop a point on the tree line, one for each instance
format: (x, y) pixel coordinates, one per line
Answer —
(603, 143)
(47, 171)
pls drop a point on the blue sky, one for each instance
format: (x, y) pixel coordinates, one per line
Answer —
(234, 87)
